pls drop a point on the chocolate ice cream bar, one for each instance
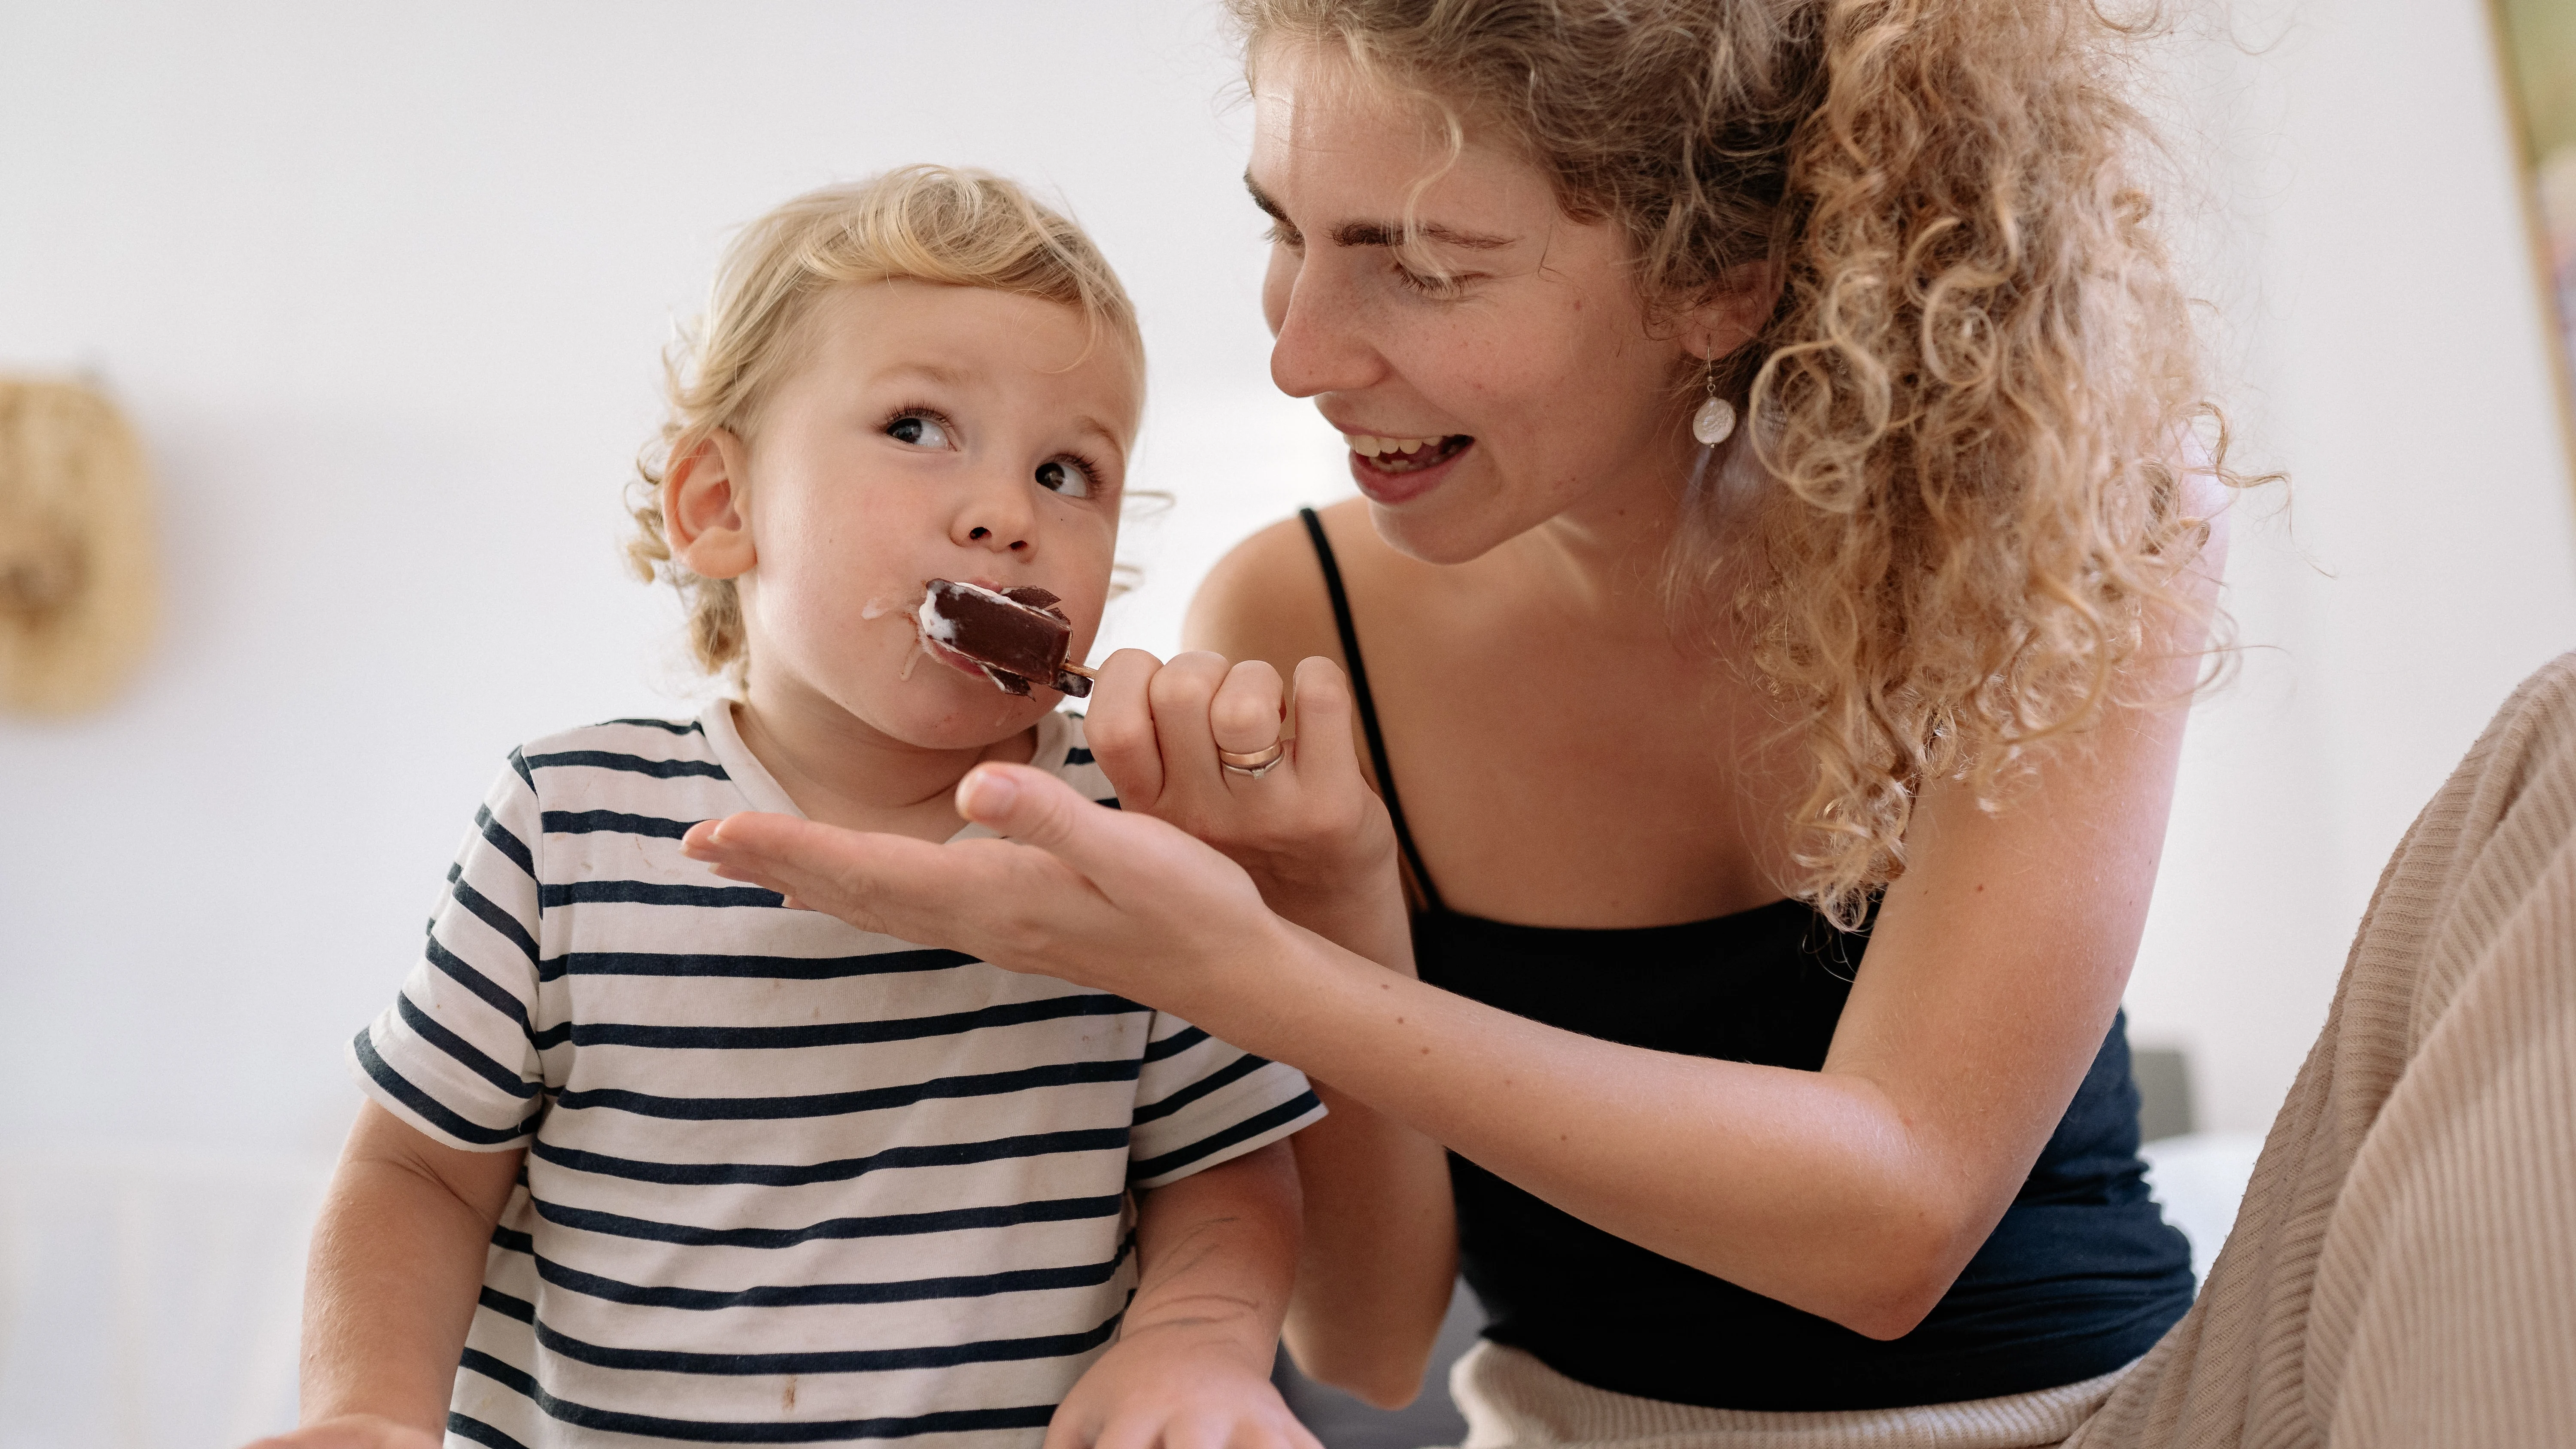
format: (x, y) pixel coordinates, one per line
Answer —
(1018, 635)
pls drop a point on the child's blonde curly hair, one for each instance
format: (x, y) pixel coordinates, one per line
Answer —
(949, 225)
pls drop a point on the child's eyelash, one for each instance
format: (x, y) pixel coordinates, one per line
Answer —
(1090, 471)
(917, 410)
(1281, 234)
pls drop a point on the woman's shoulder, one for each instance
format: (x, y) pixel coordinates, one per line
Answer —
(1266, 599)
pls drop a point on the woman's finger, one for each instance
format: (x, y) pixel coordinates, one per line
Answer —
(1091, 895)
(1033, 807)
(1323, 720)
(1019, 909)
(891, 884)
(1249, 709)
(1119, 727)
(1140, 864)
(1182, 692)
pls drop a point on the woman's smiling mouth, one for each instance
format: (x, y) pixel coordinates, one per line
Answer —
(1406, 455)
(1397, 470)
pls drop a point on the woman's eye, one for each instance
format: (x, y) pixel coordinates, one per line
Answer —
(1062, 475)
(920, 431)
(1428, 286)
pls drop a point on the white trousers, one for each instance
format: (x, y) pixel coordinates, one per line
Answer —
(1513, 1401)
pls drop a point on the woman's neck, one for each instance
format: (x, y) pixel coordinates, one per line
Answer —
(1606, 554)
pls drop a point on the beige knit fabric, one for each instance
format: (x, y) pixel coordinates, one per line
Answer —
(1513, 1401)
(2403, 1270)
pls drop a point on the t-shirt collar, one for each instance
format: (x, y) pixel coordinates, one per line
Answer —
(761, 790)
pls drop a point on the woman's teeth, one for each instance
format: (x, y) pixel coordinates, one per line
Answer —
(1406, 455)
(1370, 447)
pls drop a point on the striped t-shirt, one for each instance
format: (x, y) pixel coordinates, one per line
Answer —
(785, 1182)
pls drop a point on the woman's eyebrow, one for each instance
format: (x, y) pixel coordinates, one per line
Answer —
(1382, 233)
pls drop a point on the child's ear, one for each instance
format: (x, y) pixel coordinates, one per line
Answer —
(703, 513)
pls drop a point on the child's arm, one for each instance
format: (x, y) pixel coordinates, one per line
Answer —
(1215, 1254)
(390, 1289)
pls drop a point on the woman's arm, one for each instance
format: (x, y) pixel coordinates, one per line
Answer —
(1381, 1254)
(389, 1293)
(1381, 1241)
(1856, 1193)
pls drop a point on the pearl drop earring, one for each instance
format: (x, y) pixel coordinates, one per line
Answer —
(1714, 423)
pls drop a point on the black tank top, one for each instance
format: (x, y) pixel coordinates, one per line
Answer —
(2081, 1275)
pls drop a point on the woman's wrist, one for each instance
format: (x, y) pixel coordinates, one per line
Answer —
(1352, 914)
(1317, 890)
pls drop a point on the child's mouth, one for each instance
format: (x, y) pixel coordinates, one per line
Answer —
(1014, 636)
(951, 657)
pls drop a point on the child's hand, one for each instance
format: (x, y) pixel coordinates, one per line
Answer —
(353, 1431)
(1309, 831)
(1187, 1384)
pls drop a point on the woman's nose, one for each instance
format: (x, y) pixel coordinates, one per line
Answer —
(996, 514)
(1314, 319)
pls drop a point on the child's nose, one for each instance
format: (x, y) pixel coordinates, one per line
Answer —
(998, 517)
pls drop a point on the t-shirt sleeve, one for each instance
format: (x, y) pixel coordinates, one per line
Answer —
(1200, 1102)
(456, 1055)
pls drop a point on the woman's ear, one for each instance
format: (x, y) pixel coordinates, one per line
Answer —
(1733, 311)
(703, 508)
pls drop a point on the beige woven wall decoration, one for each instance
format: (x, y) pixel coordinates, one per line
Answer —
(78, 586)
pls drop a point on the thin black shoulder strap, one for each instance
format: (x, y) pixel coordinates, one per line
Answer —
(1368, 705)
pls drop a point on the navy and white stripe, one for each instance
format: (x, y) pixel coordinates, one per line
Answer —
(785, 1182)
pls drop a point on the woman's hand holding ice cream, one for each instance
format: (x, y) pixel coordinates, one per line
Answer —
(1314, 837)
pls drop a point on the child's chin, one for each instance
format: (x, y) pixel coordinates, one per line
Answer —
(959, 712)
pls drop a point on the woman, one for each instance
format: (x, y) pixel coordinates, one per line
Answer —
(1783, 567)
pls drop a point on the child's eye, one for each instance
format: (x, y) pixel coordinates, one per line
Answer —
(919, 429)
(1068, 476)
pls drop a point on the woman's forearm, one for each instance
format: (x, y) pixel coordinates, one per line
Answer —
(1855, 1193)
(1381, 1247)
(1804, 1186)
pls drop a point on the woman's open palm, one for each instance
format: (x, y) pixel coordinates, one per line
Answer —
(1116, 901)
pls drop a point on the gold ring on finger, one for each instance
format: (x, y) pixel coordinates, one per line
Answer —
(1255, 765)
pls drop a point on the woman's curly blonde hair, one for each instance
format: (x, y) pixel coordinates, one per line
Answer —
(949, 225)
(1977, 382)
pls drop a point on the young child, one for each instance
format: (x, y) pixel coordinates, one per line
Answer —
(655, 1156)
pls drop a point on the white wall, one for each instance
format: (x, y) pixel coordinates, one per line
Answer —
(383, 288)
(2362, 240)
